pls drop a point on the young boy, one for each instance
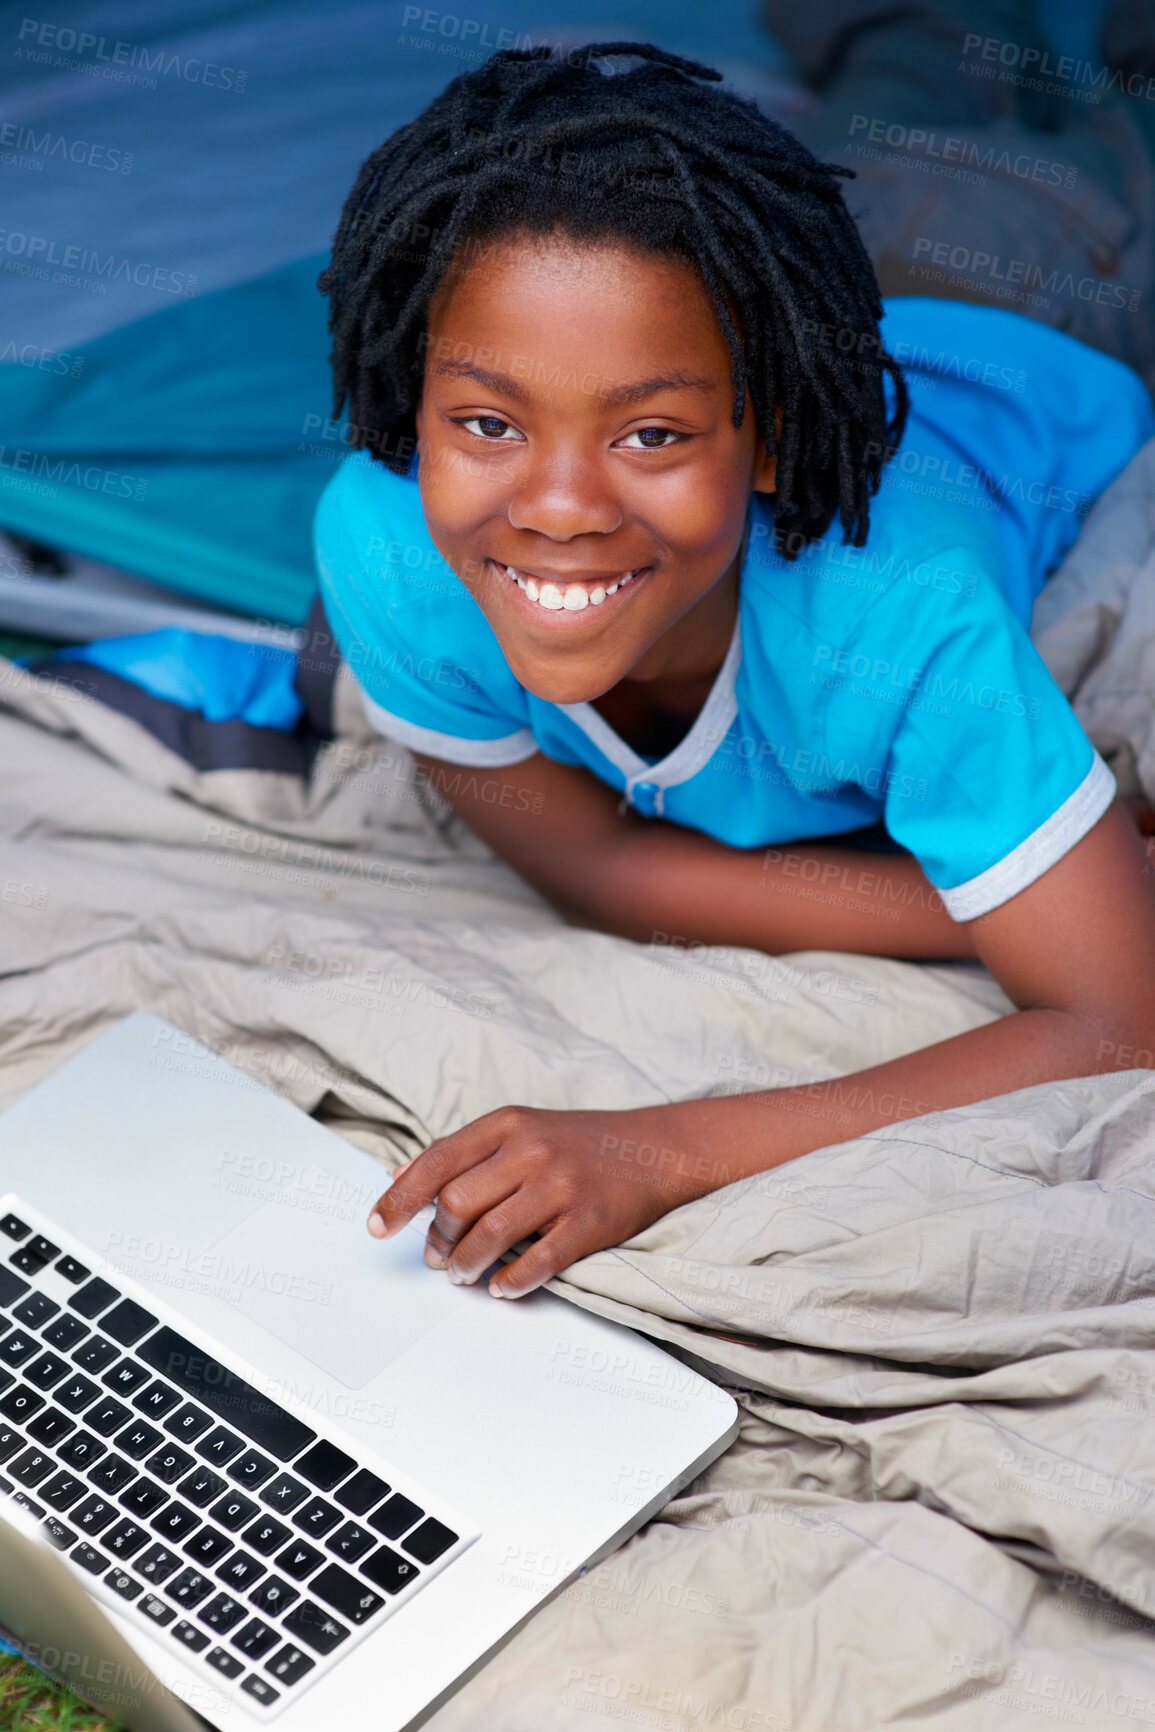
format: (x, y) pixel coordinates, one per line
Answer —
(647, 532)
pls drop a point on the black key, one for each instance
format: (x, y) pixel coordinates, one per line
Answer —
(95, 1354)
(241, 1571)
(202, 1486)
(94, 1514)
(93, 1298)
(82, 1450)
(362, 1492)
(89, 1559)
(47, 1370)
(427, 1542)
(175, 1521)
(31, 1467)
(44, 1247)
(220, 1446)
(158, 1563)
(255, 1639)
(298, 1559)
(144, 1497)
(290, 1665)
(77, 1393)
(265, 1535)
(208, 1547)
(125, 1377)
(389, 1570)
(169, 1463)
(70, 1270)
(24, 1501)
(223, 1613)
(190, 1636)
(20, 1403)
(138, 1439)
(18, 1347)
(65, 1333)
(10, 1441)
(252, 1469)
(273, 1596)
(125, 1539)
(11, 1287)
(346, 1594)
(156, 1400)
(317, 1518)
(128, 1322)
(63, 1490)
(260, 1690)
(59, 1536)
(27, 1261)
(156, 1610)
(188, 1424)
(285, 1493)
(14, 1228)
(122, 1584)
(51, 1426)
(107, 1416)
(234, 1510)
(312, 1624)
(325, 1465)
(37, 1309)
(351, 1542)
(226, 1663)
(190, 1588)
(207, 1381)
(112, 1474)
(396, 1517)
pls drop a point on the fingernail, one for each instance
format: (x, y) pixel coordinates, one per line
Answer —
(434, 1258)
(496, 1291)
(377, 1226)
(457, 1277)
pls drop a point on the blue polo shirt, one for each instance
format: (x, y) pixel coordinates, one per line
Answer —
(895, 683)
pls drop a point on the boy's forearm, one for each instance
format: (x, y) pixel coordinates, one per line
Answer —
(690, 887)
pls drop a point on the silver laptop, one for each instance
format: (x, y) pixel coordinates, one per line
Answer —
(256, 1467)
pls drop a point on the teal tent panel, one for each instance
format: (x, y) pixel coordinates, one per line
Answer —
(192, 447)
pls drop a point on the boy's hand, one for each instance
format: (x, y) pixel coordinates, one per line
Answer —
(584, 1180)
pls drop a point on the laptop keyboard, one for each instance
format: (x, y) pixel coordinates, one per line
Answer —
(223, 1520)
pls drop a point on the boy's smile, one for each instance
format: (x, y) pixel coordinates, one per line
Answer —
(579, 468)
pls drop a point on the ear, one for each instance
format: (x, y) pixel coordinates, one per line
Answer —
(766, 467)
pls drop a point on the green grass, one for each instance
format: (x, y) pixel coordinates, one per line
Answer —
(30, 1703)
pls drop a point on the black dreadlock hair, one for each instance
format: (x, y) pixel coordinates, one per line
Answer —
(657, 156)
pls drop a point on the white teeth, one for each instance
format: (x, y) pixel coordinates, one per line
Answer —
(575, 598)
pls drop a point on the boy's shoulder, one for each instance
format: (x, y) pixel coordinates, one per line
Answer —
(920, 557)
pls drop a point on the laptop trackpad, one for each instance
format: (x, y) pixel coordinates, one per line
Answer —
(316, 1280)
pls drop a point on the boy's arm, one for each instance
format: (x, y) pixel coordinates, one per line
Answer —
(562, 830)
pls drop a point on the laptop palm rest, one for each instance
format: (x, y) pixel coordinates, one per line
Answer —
(274, 1266)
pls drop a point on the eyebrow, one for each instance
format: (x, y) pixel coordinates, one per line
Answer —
(615, 397)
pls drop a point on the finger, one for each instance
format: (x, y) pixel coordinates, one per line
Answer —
(463, 1202)
(416, 1185)
(513, 1218)
(545, 1258)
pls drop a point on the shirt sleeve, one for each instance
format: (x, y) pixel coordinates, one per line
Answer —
(432, 673)
(988, 778)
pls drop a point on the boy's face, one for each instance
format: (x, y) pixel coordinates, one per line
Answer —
(575, 426)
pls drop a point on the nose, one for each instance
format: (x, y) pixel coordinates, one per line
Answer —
(563, 496)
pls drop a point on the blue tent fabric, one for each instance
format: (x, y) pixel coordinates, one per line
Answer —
(191, 449)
